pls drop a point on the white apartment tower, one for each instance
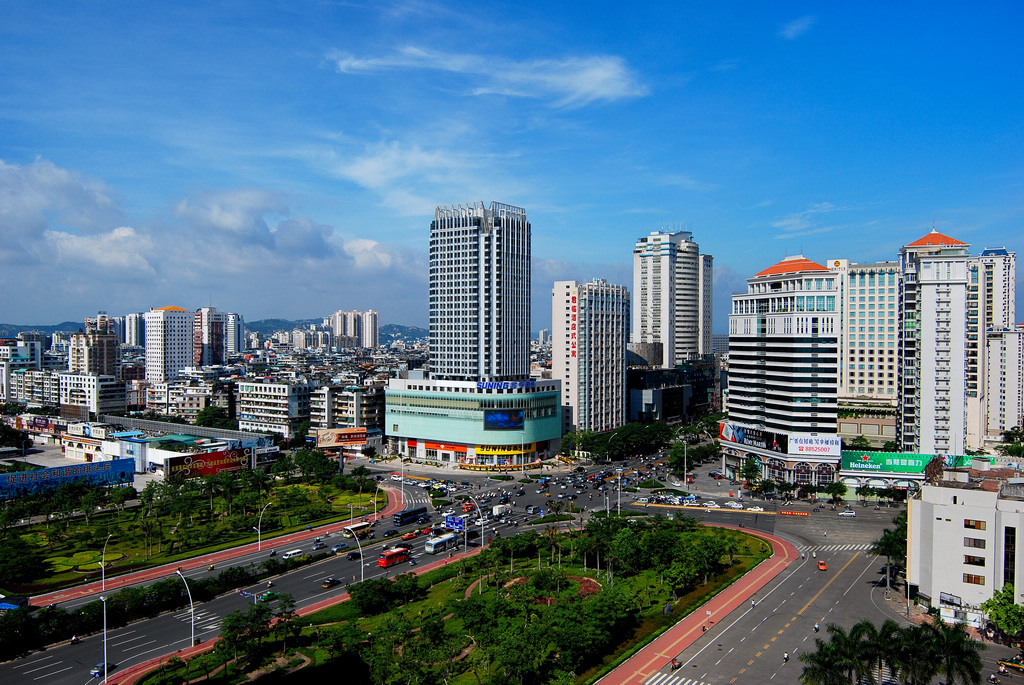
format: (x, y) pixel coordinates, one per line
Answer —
(234, 333)
(672, 291)
(355, 328)
(1004, 382)
(868, 341)
(783, 374)
(933, 346)
(209, 337)
(991, 309)
(134, 330)
(590, 324)
(480, 293)
(168, 343)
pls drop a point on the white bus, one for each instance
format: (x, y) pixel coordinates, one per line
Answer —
(359, 530)
(441, 543)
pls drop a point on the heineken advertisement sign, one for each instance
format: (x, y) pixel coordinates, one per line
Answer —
(895, 462)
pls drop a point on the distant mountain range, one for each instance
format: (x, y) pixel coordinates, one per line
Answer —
(389, 333)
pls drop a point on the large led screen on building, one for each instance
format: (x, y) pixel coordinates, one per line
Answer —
(23, 483)
(208, 463)
(504, 419)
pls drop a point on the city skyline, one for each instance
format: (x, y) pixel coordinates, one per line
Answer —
(186, 154)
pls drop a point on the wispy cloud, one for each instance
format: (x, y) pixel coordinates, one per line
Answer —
(796, 28)
(688, 183)
(571, 82)
(804, 222)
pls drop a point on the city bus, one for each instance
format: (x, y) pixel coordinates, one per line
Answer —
(409, 515)
(391, 557)
(441, 543)
(356, 530)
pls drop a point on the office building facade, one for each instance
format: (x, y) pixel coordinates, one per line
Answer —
(783, 374)
(590, 328)
(168, 343)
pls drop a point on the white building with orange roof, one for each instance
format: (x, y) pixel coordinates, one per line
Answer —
(168, 343)
(933, 345)
(783, 374)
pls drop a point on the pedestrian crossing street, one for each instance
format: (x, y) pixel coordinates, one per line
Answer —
(204, 620)
(837, 548)
(669, 679)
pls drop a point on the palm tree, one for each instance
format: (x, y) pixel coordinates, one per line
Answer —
(915, 656)
(822, 666)
(881, 645)
(852, 656)
(959, 655)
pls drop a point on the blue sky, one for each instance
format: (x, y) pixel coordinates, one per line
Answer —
(284, 159)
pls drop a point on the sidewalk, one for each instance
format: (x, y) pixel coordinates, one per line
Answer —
(659, 654)
(214, 558)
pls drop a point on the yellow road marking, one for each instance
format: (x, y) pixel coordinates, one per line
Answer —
(775, 638)
(815, 597)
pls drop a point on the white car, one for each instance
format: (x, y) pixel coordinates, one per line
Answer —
(756, 509)
(734, 505)
(711, 505)
(848, 513)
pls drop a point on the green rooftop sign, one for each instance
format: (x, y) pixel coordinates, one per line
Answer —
(895, 462)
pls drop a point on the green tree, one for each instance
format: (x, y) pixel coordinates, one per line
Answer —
(216, 417)
(959, 655)
(751, 469)
(836, 490)
(1004, 611)
(861, 444)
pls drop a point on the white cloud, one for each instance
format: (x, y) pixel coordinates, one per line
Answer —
(803, 223)
(688, 183)
(122, 254)
(571, 82)
(796, 28)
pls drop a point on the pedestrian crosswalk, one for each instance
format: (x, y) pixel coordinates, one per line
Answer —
(204, 619)
(837, 548)
(670, 679)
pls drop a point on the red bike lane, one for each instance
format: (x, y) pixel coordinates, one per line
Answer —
(214, 558)
(659, 654)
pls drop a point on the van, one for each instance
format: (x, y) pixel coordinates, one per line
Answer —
(294, 554)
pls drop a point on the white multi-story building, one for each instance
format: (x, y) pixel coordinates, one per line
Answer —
(868, 362)
(933, 346)
(134, 330)
(480, 293)
(478, 405)
(355, 328)
(962, 546)
(347, 406)
(1004, 381)
(269, 407)
(234, 333)
(209, 337)
(84, 392)
(783, 374)
(168, 343)
(590, 324)
(672, 291)
(35, 387)
(991, 307)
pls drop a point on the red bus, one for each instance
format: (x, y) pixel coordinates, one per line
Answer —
(393, 556)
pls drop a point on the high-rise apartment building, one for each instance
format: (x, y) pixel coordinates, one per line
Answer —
(784, 374)
(355, 328)
(168, 343)
(672, 294)
(95, 353)
(590, 324)
(478, 405)
(1004, 381)
(868, 340)
(134, 330)
(933, 345)
(234, 333)
(991, 309)
(209, 337)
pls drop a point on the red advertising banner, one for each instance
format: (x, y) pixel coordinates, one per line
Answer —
(209, 463)
(786, 512)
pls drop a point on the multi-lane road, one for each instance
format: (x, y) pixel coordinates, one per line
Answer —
(743, 647)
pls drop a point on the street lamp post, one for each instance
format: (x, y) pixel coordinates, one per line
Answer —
(259, 528)
(522, 450)
(619, 506)
(191, 611)
(375, 493)
(104, 600)
(362, 566)
(103, 565)
(351, 513)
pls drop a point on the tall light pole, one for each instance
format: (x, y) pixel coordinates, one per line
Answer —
(191, 612)
(402, 460)
(522, 450)
(362, 566)
(375, 492)
(351, 513)
(619, 514)
(103, 565)
(104, 600)
(259, 528)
